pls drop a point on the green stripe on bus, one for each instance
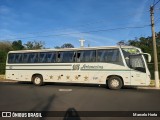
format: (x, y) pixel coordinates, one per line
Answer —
(103, 70)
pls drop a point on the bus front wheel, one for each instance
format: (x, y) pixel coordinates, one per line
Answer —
(37, 80)
(115, 83)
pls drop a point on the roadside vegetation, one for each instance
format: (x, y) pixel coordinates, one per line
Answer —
(6, 46)
(145, 43)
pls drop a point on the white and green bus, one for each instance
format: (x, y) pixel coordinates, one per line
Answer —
(115, 66)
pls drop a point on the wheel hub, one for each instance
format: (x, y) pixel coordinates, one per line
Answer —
(115, 83)
(37, 80)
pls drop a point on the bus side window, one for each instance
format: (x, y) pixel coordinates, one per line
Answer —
(53, 58)
(81, 57)
(29, 58)
(78, 56)
(92, 56)
(101, 56)
(58, 57)
(110, 56)
(74, 57)
(33, 58)
(67, 56)
(48, 58)
(42, 57)
(11, 58)
(25, 57)
(18, 58)
(86, 56)
(70, 56)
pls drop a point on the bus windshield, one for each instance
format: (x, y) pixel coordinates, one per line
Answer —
(134, 59)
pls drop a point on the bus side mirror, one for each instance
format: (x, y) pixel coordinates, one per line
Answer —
(149, 56)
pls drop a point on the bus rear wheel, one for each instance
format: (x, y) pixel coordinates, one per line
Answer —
(37, 80)
(115, 83)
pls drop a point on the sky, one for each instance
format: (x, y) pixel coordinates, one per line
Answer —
(55, 22)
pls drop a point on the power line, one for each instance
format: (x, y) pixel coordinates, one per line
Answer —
(153, 2)
(79, 26)
(157, 20)
(156, 3)
(101, 30)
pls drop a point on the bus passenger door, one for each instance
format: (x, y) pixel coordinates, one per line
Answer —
(138, 70)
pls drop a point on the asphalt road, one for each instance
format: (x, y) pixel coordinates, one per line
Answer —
(61, 97)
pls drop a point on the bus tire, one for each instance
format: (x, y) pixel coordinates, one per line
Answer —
(37, 80)
(115, 83)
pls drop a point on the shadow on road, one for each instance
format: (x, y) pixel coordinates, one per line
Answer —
(46, 107)
(71, 114)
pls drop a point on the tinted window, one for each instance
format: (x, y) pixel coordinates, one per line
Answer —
(68, 56)
(47, 57)
(18, 58)
(26, 57)
(33, 58)
(15, 58)
(110, 56)
(11, 58)
(30, 57)
(51, 57)
(42, 57)
(86, 56)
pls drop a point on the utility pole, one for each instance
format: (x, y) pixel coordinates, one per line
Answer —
(156, 73)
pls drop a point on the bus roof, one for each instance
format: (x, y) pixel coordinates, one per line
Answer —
(71, 49)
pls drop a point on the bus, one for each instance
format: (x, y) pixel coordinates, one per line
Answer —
(114, 66)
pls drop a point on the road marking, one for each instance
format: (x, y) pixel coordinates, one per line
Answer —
(66, 90)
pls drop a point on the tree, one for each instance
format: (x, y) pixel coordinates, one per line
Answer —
(34, 45)
(144, 43)
(17, 45)
(67, 45)
(122, 42)
(5, 46)
(57, 47)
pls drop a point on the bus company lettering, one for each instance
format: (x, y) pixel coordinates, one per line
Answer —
(91, 67)
(76, 67)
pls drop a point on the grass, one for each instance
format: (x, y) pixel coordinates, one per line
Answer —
(152, 84)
